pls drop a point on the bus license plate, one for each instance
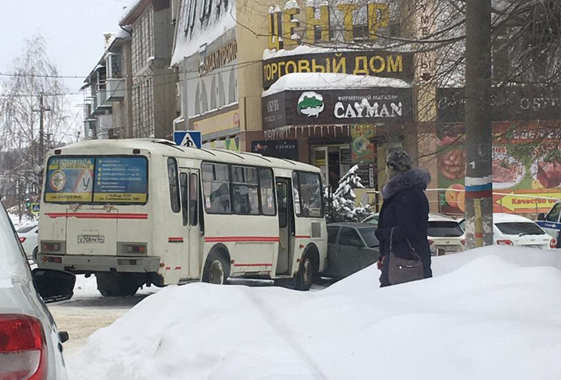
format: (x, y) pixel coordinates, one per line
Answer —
(91, 239)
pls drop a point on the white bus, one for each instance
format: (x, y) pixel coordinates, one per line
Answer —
(145, 211)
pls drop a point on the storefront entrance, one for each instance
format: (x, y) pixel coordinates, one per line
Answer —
(333, 161)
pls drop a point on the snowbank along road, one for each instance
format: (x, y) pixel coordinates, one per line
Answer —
(488, 314)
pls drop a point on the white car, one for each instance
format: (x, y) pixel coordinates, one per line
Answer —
(516, 230)
(30, 344)
(28, 236)
(445, 234)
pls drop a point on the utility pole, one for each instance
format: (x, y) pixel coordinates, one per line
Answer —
(479, 136)
(42, 109)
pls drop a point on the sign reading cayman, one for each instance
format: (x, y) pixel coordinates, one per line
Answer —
(335, 107)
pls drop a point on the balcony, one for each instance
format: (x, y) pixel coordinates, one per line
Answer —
(102, 103)
(115, 89)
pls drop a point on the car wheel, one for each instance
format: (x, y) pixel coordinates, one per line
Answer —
(217, 269)
(35, 254)
(306, 274)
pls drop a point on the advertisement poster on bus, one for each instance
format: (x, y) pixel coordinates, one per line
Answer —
(526, 168)
(69, 179)
(97, 179)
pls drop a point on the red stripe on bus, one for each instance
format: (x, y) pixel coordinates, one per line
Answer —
(253, 265)
(238, 239)
(91, 215)
(177, 268)
(175, 240)
(302, 237)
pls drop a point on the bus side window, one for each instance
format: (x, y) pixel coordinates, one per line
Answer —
(184, 195)
(173, 185)
(216, 186)
(245, 190)
(193, 199)
(267, 193)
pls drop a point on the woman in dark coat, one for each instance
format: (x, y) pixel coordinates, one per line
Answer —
(406, 210)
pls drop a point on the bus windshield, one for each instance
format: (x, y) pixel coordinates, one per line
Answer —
(97, 179)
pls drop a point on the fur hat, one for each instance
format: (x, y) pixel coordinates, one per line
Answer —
(399, 161)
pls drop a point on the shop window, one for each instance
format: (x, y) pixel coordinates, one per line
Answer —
(308, 189)
(245, 190)
(232, 86)
(173, 185)
(213, 93)
(216, 187)
(267, 193)
(204, 98)
(221, 92)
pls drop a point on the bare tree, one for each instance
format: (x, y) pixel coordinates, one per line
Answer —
(33, 95)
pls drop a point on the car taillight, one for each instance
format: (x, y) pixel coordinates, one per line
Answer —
(505, 242)
(463, 241)
(22, 239)
(553, 243)
(431, 242)
(50, 247)
(22, 348)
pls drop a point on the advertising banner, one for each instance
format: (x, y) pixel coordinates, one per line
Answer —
(526, 168)
(70, 179)
(337, 107)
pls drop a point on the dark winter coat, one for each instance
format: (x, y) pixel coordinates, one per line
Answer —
(406, 208)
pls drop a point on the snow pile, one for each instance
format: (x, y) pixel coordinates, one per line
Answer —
(488, 314)
(330, 81)
(221, 19)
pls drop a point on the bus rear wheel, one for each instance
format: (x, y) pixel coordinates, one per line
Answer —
(116, 285)
(306, 274)
(217, 269)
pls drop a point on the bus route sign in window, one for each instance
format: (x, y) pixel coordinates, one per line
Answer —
(97, 179)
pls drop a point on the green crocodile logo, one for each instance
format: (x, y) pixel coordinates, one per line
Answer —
(310, 104)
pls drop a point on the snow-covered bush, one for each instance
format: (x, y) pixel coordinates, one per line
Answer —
(340, 205)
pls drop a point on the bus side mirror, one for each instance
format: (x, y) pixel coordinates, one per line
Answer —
(541, 216)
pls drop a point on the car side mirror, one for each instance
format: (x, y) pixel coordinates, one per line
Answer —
(541, 216)
(53, 285)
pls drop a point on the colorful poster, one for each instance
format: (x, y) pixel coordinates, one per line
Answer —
(362, 149)
(116, 180)
(121, 180)
(69, 179)
(526, 168)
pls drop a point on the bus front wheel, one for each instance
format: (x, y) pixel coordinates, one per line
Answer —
(217, 269)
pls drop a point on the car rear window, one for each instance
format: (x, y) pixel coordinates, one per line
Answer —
(520, 228)
(369, 237)
(444, 229)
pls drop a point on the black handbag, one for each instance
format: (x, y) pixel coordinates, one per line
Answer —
(404, 270)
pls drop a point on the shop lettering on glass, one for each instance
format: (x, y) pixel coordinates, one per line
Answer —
(289, 26)
(219, 58)
(377, 62)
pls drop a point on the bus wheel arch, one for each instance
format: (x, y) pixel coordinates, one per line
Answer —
(308, 269)
(216, 269)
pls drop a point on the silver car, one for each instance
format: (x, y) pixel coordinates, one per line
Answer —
(30, 344)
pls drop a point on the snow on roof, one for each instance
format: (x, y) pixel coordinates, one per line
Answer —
(218, 25)
(499, 306)
(307, 49)
(330, 81)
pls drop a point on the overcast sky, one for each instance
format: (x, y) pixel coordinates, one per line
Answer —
(73, 30)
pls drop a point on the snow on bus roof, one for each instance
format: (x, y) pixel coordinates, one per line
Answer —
(166, 147)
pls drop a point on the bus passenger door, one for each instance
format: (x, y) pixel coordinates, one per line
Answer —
(286, 226)
(189, 180)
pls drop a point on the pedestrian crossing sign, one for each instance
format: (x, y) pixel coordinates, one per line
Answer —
(191, 139)
(35, 208)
